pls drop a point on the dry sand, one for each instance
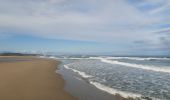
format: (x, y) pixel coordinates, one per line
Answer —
(29, 78)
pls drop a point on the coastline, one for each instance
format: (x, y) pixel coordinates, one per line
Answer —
(76, 83)
(35, 78)
(31, 78)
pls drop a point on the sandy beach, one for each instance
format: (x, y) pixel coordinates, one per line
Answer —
(30, 78)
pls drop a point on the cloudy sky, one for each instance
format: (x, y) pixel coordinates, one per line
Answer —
(131, 27)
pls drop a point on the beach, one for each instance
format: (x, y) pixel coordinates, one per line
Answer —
(31, 78)
(54, 78)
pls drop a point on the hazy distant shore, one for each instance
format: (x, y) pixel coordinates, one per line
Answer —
(17, 54)
(30, 78)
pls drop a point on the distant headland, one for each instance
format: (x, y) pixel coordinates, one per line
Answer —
(17, 54)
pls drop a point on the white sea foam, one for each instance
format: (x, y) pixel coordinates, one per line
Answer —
(121, 93)
(139, 58)
(41, 56)
(115, 91)
(70, 58)
(107, 57)
(132, 58)
(83, 74)
(95, 57)
(52, 57)
(77, 58)
(152, 68)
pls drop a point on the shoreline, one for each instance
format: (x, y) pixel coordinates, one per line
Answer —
(31, 78)
(76, 83)
(57, 83)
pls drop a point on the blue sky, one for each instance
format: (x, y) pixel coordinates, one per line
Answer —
(134, 27)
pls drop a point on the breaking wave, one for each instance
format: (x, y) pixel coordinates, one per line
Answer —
(115, 91)
(138, 58)
(83, 74)
(145, 67)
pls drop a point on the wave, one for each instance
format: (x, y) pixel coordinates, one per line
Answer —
(75, 58)
(115, 91)
(107, 57)
(119, 92)
(139, 58)
(65, 58)
(83, 74)
(51, 57)
(130, 58)
(41, 56)
(151, 68)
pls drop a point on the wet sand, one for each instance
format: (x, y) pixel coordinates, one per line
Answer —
(30, 78)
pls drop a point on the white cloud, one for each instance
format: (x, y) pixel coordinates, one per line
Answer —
(87, 20)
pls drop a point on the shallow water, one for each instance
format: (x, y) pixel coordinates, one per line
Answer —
(129, 77)
(80, 88)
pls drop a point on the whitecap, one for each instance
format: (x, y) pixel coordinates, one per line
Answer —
(83, 74)
(115, 91)
(145, 67)
(139, 58)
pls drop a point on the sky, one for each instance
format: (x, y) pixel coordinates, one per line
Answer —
(116, 27)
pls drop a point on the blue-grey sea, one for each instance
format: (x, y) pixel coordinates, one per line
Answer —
(137, 77)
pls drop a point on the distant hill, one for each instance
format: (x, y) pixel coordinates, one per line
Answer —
(17, 54)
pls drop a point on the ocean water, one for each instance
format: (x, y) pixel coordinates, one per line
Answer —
(137, 77)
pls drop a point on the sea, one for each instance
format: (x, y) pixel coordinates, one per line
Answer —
(138, 77)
